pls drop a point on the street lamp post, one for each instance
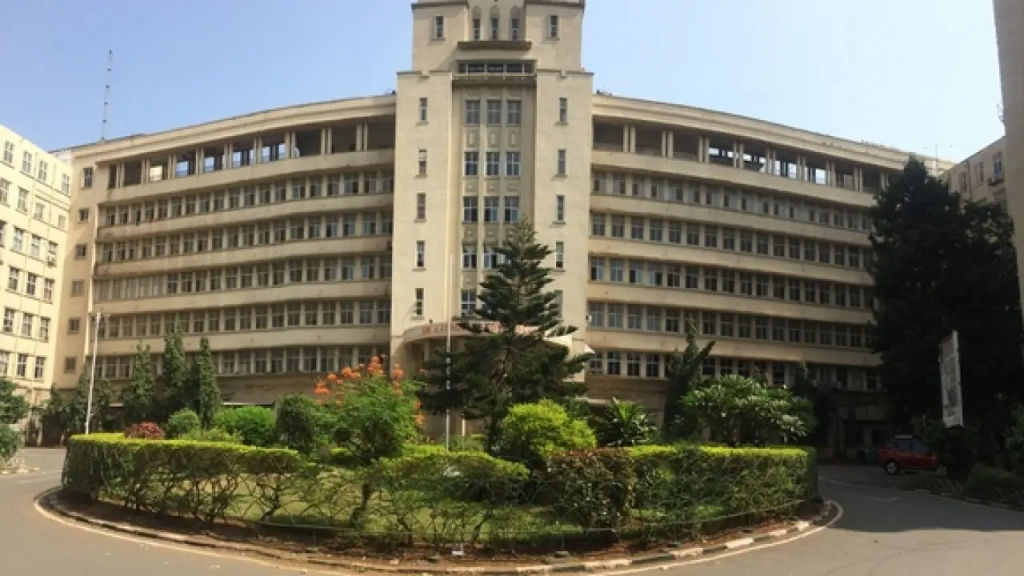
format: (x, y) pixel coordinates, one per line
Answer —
(92, 374)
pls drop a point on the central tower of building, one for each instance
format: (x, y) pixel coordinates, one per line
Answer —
(492, 126)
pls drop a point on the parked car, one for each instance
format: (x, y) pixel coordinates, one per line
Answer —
(907, 453)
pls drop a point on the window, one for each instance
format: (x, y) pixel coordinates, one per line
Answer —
(495, 24)
(77, 287)
(469, 256)
(48, 290)
(560, 170)
(87, 177)
(44, 328)
(560, 255)
(65, 184)
(417, 309)
(513, 164)
(40, 368)
(476, 28)
(438, 27)
(494, 112)
(421, 168)
(467, 303)
(472, 112)
(80, 251)
(44, 172)
(511, 209)
(471, 163)
(70, 364)
(22, 363)
(490, 209)
(560, 208)
(515, 112)
(563, 110)
(553, 26)
(997, 164)
(9, 159)
(26, 162)
(421, 253)
(514, 31)
(8, 320)
(22, 200)
(423, 109)
(13, 278)
(493, 164)
(470, 209)
(83, 215)
(421, 206)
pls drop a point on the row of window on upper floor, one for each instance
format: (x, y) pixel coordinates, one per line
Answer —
(28, 325)
(730, 282)
(363, 268)
(747, 241)
(17, 365)
(341, 225)
(267, 361)
(247, 196)
(41, 208)
(34, 286)
(494, 29)
(37, 169)
(35, 247)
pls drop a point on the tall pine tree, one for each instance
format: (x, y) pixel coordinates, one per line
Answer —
(510, 364)
(684, 370)
(942, 264)
(177, 394)
(203, 385)
(139, 395)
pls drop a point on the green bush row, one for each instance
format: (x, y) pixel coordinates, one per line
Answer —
(431, 494)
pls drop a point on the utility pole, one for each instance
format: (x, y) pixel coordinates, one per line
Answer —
(106, 95)
(92, 375)
(449, 270)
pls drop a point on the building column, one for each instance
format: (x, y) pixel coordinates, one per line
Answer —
(144, 176)
(120, 176)
(801, 167)
(329, 139)
(670, 143)
(172, 162)
(858, 179)
(359, 137)
(737, 152)
(632, 139)
(830, 173)
(229, 153)
(200, 160)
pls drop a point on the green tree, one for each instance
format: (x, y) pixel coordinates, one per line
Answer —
(102, 395)
(177, 392)
(624, 424)
(13, 408)
(738, 410)
(513, 363)
(139, 395)
(55, 414)
(822, 404)
(202, 385)
(943, 264)
(684, 371)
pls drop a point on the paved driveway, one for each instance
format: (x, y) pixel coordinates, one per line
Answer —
(882, 532)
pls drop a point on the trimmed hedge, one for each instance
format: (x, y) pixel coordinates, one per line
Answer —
(430, 495)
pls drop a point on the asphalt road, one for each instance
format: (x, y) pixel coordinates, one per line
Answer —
(882, 532)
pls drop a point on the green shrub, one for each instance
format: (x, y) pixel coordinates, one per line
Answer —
(10, 441)
(594, 488)
(198, 479)
(995, 484)
(144, 431)
(212, 435)
(474, 443)
(255, 425)
(625, 424)
(532, 432)
(301, 424)
(182, 423)
(374, 416)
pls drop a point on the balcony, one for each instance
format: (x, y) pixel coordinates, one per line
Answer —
(509, 45)
(273, 338)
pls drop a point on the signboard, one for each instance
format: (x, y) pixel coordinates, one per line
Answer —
(949, 375)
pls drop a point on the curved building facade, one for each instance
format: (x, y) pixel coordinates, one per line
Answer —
(302, 239)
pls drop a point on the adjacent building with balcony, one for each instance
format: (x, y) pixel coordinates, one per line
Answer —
(303, 239)
(35, 190)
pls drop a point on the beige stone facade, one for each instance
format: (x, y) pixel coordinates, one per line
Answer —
(302, 239)
(35, 190)
(982, 176)
(1009, 19)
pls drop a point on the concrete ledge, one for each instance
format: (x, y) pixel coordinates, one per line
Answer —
(50, 502)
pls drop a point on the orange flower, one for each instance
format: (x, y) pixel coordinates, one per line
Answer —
(332, 377)
(420, 419)
(321, 389)
(348, 374)
(397, 373)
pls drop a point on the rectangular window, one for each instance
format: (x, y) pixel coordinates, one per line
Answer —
(476, 28)
(469, 256)
(563, 110)
(495, 25)
(472, 113)
(421, 206)
(421, 168)
(493, 163)
(421, 253)
(513, 164)
(559, 208)
(470, 209)
(438, 27)
(471, 163)
(494, 112)
(417, 309)
(514, 29)
(511, 209)
(553, 26)
(423, 109)
(560, 169)
(491, 209)
(560, 255)
(515, 112)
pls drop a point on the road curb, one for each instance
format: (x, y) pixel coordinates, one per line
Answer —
(560, 566)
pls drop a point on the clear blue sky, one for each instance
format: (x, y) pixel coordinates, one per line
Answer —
(907, 73)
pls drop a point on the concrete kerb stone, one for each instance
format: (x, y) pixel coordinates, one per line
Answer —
(49, 501)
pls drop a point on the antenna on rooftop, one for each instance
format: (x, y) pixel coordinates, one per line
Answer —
(106, 95)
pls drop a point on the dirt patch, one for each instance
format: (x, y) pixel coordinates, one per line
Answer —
(315, 545)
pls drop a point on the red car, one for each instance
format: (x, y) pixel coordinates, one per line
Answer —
(906, 453)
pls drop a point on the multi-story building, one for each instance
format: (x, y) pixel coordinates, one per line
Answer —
(35, 190)
(981, 177)
(1009, 19)
(301, 239)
